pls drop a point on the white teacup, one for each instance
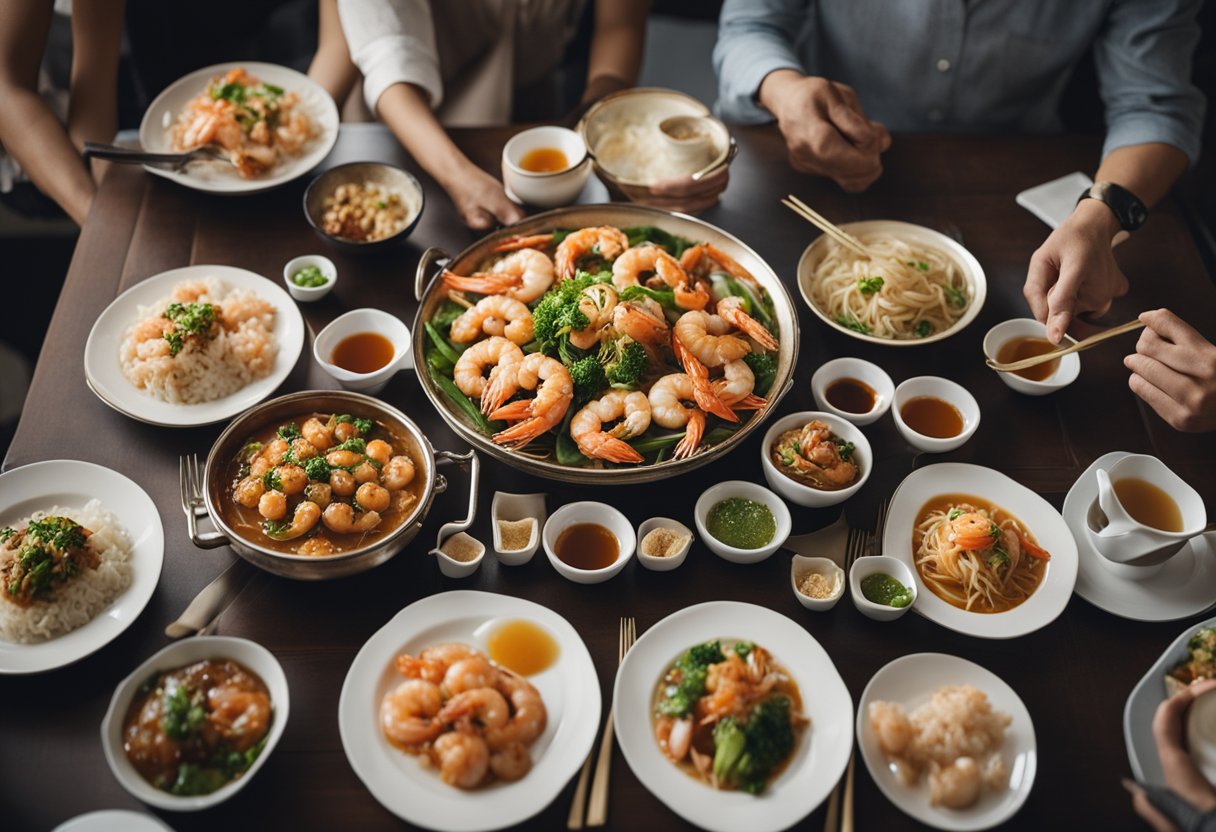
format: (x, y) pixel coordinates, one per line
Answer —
(364, 320)
(1131, 548)
(549, 189)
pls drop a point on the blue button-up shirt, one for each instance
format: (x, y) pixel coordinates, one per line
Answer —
(983, 65)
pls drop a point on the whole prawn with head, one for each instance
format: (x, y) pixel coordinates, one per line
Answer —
(554, 392)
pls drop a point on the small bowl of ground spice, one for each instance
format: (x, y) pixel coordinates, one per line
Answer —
(818, 582)
(459, 555)
(663, 543)
(517, 519)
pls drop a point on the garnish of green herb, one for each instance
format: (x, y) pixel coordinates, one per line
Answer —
(957, 297)
(288, 431)
(923, 329)
(275, 528)
(6, 533)
(363, 426)
(181, 716)
(849, 321)
(272, 480)
(845, 449)
(869, 285)
(955, 513)
(188, 319)
(309, 277)
(355, 444)
(744, 648)
(317, 469)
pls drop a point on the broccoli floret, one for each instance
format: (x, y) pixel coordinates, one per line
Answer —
(702, 655)
(679, 699)
(588, 376)
(745, 755)
(558, 314)
(624, 361)
(729, 744)
(764, 368)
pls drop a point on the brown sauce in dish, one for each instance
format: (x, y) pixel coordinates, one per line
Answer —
(544, 160)
(932, 417)
(851, 395)
(1148, 504)
(522, 646)
(363, 352)
(1016, 349)
(587, 546)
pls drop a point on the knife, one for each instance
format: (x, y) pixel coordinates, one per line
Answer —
(212, 600)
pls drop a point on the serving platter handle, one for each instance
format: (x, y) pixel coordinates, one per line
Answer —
(470, 460)
(433, 256)
(204, 540)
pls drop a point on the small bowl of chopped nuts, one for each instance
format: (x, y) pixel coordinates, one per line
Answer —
(818, 582)
(663, 543)
(362, 206)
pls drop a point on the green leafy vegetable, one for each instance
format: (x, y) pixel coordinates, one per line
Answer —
(665, 297)
(956, 296)
(194, 779)
(744, 648)
(182, 717)
(955, 513)
(356, 444)
(275, 528)
(272, 480)
(288, 431)
(466, 405)
(746, 754)
(249, 450)
(318, 469)
(849, 321)
(869, 285)
(188, 319)
(650, 234)
(445, 314)
(923, 329)
(845, 449)
(6, 533)
(764, 368)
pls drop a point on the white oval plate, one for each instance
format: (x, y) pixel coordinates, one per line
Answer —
(570, 690)
(219, 177)
(911, 681)
(1043, 521)
(1142, 704)
(114, 820)
(973, 273)
(70, 483)
(818, 761)
(103, 369)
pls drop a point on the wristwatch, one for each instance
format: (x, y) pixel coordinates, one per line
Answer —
(1125, 205)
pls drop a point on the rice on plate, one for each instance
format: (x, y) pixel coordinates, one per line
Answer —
(202, 342)
(44, 611)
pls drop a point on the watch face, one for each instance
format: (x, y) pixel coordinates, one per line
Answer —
(1137, 214)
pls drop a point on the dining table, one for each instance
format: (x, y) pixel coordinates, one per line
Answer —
(1074, 675)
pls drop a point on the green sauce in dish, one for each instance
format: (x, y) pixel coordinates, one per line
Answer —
(881, 588)
(309, 277)
(742, 523)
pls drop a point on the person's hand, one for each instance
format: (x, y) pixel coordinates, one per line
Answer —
(1174, 370)
(681, 193)
(826, 130)
(480, 199)
(1182, 776)
(1074, 271)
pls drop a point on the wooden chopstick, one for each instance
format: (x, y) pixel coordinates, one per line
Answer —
(1079, 346)
(826, 226)
(597, 813)
(846, 814)
(574, 820)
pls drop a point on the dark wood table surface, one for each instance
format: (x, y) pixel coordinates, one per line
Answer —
(1073, 675)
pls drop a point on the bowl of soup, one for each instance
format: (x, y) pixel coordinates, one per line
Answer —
(815, 459)
(545, 166)
(853, 389)
(588, 542)
(935, 414)
(1021, 338)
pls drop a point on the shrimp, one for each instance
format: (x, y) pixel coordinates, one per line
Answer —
(344, 459)
(494, 315)
(522, 275)
(469, 673)
(586, 426)
(341, 518)
(643, 321)
(372, 497)
(957, 785)
(598, 302)
(303, 450)
(511, 762)
(318, 546)
(972, 530)
(463, 759)
(495, 352)
(645, 258)
(306, 515)
(706, 337)
(703, 391)
(433, 662)
(318, 492)
(667, 409)
(365, 472)
(675, 737)
(240, 716)
(321, 436)
(816, 449)
(735, 387)
(249, 491)
(529, 716)
(292, 479)
(479, 707)
(397, 473)
(407, 713)
(701, 260)
(273, 505)
(275, 451)
(604, 240)
(380, 451)
(526, 241)
(345, 430)
(342, 482)
(731, 309)
(554, 392)
(891, 726)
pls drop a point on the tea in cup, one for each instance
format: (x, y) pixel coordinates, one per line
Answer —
(1145, 514)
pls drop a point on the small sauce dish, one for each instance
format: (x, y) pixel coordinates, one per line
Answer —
(307, 294)
(361, 321)
(749, 491)
(802, 567)
(664, 563)
(947, 391)
(515, 508)
(453, 567)
(864, 567)
(800, 493)
(1063, 374)
(855, 369)
(546, 189)
(589, 512)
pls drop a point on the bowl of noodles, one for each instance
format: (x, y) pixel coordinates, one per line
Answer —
(918, 287)
(990, 557)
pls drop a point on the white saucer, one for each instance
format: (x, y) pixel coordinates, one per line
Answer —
(1185, 586)
(114, 820)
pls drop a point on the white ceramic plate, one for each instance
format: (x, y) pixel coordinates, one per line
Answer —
(103, 369)
(1048, 528)
(570, 690)
(1142, 704)
(911, 681)
(1185, 585)
(219, 177)
(113, 820)
(70, 483)
(973, 274)
(818, 761)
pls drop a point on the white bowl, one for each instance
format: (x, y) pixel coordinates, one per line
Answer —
(947, 391)
(449, 567)
(552, 189)
(801, 566)
(248, 653)
(364, 320)
(1065, 374)
(897, 569)
(589, 511)
(307, 294)
(863, 371)
(661, 564)
(751, 491)
(517, 507)
(805, 495)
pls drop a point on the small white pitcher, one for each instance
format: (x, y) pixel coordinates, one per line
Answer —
(1132, 548)
(364, 320)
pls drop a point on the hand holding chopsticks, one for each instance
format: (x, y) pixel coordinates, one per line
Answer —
(819, 221)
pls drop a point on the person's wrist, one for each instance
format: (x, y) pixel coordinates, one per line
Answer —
(1096, 217)
(773, 91)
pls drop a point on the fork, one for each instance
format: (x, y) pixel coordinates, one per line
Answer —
(136, 156)
(597, 814)
(856, 546)
(880, 524)
(190, 474)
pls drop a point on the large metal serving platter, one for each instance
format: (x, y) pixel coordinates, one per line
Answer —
(429, 290)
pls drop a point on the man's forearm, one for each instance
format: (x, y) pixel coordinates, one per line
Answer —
(36, 139)
(1147, 170)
